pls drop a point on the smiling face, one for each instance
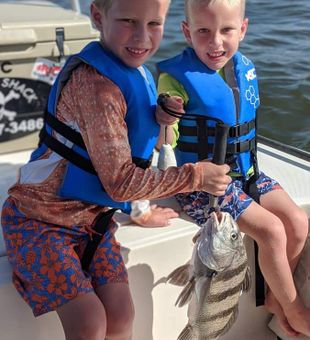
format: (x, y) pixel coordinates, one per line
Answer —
(214, 31)
(132, 29)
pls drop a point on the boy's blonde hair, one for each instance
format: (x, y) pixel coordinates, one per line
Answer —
(189, 3)
(105, 5)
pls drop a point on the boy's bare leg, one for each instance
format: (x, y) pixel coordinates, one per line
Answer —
(83, 318)
(118, 304)
(295, 222)
(294, 219)
(269, 232)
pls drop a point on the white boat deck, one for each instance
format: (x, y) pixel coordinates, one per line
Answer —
(150, 255)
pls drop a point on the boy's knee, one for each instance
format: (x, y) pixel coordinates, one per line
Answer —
(300, 225)
(120, 322)
(273, 234)
(94, 329)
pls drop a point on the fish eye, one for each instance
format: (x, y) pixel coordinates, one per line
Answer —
(234, 236)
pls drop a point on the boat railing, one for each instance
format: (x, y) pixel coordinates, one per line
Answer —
(303, 154)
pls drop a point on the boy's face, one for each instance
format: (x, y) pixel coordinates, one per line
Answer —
(215, 31)
(132, 29)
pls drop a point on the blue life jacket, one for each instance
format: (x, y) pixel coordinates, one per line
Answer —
(211, 97)
(138, 88)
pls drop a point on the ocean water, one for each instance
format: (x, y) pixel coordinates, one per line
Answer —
(278, 42)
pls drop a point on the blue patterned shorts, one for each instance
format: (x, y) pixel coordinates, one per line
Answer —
(235, 200)
(46, 260)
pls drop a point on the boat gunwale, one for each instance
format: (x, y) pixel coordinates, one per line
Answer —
(289, 149)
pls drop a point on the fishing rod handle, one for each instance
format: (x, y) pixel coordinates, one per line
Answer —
(219, 155)
(220, 143)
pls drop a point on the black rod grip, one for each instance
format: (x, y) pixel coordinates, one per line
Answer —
(220, 143)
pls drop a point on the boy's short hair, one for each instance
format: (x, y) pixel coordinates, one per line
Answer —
(105, 5)
(188, 3)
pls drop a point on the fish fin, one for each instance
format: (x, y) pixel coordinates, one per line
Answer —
(195, 238)
(187, 333)
(231, 321)
(180, 276)
(186, 294)
(202, 298)
(247, 282)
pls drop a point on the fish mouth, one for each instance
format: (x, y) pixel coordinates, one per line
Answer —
(216, 249)
(218, 218)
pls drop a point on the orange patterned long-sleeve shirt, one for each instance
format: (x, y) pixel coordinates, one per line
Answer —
(94, 105)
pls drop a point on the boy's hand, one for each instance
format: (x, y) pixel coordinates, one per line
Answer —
(174, 103)
(155, 217)
(213, 178)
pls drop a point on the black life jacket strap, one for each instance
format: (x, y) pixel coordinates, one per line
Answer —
(142, 163)
(74, 137)
(259, 280)
(242, 129)
(67, 153)
(234, 131)
(238, 147)
(250, 188)
(64, 130)
(202, 138)
(101, 225)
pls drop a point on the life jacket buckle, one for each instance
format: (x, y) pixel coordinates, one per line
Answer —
(235, 131)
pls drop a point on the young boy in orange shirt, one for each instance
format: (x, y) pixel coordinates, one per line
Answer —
(94, 153)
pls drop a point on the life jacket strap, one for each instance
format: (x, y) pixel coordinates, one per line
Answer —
(101, 225)
(64, 130)
(242, 129)
(239, 147)
(250, 188)
(74, 137)
(142, 163)
(234, 131)
(202, 138)
(66, 152)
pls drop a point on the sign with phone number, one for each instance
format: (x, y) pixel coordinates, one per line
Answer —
(29, 125)
(22, 104)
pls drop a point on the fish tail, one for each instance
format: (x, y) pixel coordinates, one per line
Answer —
(187, 333)
(186, 294)
(180, 276)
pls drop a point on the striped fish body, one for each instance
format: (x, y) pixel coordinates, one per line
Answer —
(213, 295)
(218, 308)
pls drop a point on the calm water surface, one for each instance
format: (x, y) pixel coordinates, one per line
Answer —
(278, 41)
